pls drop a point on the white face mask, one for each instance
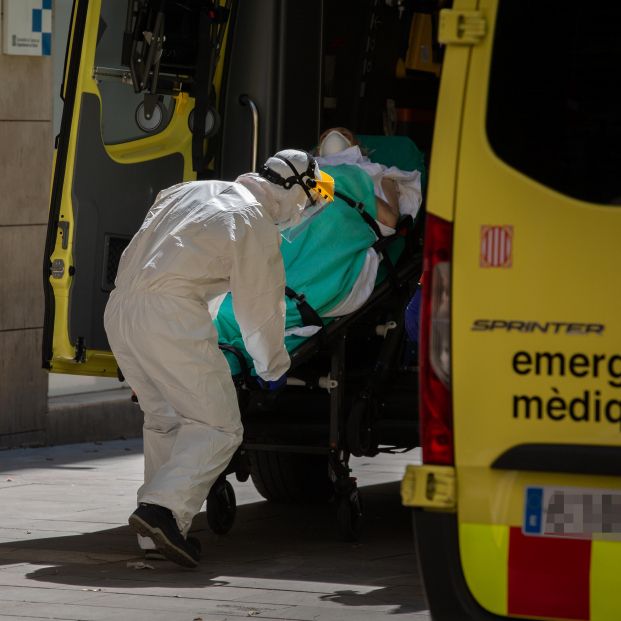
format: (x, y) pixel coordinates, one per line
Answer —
(333, 142)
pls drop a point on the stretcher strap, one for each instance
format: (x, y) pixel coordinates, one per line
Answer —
(381, 245)
(383, 241)
(310, 317)
(238, 354)
(359, 207)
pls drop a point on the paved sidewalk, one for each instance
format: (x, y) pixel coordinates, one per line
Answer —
(66, 550)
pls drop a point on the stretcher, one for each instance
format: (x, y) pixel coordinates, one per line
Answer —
(351, 390)
(333, 265)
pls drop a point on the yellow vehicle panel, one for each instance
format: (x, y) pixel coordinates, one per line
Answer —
(535, 359)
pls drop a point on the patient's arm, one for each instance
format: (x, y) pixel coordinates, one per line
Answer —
(388, 207)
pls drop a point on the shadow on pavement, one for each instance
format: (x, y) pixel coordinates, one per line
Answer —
(65, 455)
(270, 544)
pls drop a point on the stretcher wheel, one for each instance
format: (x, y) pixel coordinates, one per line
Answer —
(221, 508)
(349, 515)
(291, 477)
(361, 437)
(212, 122)
(152, 123)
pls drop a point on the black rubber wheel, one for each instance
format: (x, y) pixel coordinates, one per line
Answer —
(212, 121)
(349, 515)
(151, 124)
(360, 433)
(357, 424)
(221, 508)
(291, 477)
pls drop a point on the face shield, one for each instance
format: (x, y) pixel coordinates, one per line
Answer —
(309, 213)
(320, 193)
(318, 189)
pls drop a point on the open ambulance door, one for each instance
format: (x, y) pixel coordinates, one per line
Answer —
(157, 92)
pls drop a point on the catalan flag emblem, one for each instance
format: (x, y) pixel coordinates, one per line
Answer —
(496, 246)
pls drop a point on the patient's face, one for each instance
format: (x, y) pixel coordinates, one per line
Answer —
(346, 133)
(335, 140)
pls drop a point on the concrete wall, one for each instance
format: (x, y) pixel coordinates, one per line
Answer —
(29, 86)
(25, 168)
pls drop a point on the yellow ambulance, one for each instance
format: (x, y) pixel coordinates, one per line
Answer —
(517, 502)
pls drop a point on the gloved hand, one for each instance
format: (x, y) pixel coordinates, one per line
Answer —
(272, 385)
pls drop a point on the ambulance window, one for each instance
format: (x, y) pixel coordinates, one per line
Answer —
(122, 118)
(554, 108)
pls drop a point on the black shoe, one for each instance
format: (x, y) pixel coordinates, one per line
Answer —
(153, 554)
(159, 523)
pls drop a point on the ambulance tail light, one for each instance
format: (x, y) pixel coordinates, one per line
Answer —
(436, 410)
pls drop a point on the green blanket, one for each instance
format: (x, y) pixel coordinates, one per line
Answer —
(322, 263)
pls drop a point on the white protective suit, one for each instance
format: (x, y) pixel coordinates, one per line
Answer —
(198, 241)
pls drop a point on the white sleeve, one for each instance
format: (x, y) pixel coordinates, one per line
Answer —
(410, 193)
(258, 291)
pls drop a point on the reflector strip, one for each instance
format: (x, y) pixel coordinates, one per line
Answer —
(484, 549)
(605, 580)
(549, 577)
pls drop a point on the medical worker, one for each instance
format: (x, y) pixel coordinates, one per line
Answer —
(199, 240)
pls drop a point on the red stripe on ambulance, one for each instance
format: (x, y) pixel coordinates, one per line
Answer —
(496, 246)
(549, 576)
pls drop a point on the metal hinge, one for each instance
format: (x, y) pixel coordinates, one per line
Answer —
(327, 382)
(58, 268)
(461, 27)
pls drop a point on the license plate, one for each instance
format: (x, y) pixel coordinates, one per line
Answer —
(579, 513)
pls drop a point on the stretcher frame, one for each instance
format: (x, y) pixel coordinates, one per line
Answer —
(331, 342)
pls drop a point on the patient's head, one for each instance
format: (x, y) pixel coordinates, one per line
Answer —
(336, 139)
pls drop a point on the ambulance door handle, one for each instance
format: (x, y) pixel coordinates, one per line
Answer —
(245, 100)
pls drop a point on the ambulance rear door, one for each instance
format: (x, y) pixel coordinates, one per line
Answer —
(156, 93)
(115, 151)
(536, 337)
